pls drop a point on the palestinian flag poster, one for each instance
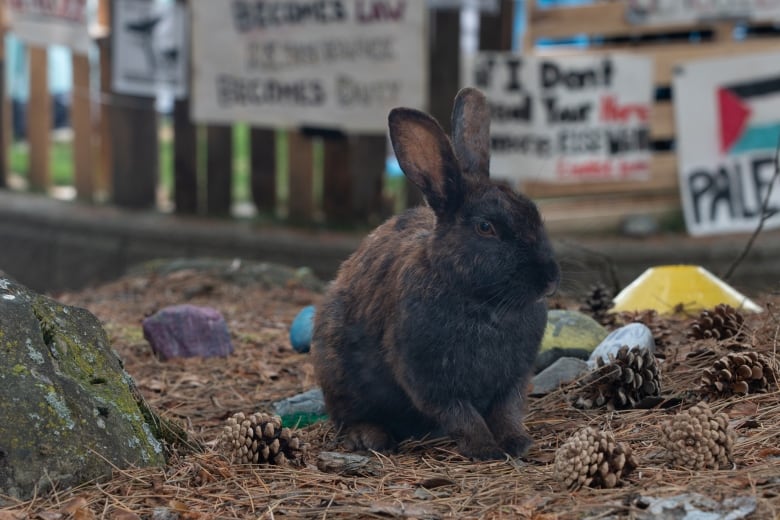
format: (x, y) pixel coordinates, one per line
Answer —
(727, 113)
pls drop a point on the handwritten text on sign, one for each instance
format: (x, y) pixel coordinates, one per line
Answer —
(54, 22)
(326, 63)
(727, 113)
(566, 118)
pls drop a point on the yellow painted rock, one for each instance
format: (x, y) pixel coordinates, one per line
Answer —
(571, 330)
(669, 289)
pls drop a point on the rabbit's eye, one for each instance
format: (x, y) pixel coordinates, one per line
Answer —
(485, 228)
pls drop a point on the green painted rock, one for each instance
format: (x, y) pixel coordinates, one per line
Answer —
(568, 334)
(68, 410)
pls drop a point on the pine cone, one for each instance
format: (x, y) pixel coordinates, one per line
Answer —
(649, 318)
(597, 304)
(739, 373)
(592, 458)
(698, 439)
(260, 438)
(624, 381)
(722, 322)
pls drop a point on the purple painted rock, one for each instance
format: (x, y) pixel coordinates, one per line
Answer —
(187, 331)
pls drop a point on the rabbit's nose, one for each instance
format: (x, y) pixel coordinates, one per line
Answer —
(552, 286)
(553, 278)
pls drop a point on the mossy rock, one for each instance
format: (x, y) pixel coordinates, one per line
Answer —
(68, 410)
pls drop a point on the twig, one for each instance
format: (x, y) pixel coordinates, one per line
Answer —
(765, 215)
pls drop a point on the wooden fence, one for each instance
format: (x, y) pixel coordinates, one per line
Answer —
(116, 145)
(596, 205)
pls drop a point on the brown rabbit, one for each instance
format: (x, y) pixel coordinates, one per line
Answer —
(433, 324)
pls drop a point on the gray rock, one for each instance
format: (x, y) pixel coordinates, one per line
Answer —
(68, 410)
(631, 335)
(310, 402)
(693, 506)
(564, 370)
(187, 331)
(639, 226)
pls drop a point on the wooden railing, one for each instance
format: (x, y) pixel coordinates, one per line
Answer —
(116, 148)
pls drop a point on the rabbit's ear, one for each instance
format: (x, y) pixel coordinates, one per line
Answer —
(471, 132)
(426, 157)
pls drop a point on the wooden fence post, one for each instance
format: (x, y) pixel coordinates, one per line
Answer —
(219, 169)
(103, 178)
(495, 29)
(367, 167)
(39, 120)
(81, 122)
(262, 169)
(300, 205)
(185, 159)
(135, 151)
(5, 127)
(444, 79)
(337, 179)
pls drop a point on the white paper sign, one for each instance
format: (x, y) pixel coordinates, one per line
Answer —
(150, 53)
(566, 119)
(664, 12)
(333, 64)
(54, 22)
(728, 124)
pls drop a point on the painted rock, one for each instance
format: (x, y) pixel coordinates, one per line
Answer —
(187, 331)
(571, 330)
(631, 335)
(301, 329)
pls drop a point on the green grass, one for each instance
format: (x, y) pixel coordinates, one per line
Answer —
(60, 160)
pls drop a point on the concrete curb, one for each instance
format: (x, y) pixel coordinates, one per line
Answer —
(51, 245)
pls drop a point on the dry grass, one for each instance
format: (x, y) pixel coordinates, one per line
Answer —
(424, 479)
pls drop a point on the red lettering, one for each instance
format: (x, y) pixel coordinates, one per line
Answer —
(369, 11)
(611, 110)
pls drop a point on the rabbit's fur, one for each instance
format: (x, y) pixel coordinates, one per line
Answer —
(433, 324)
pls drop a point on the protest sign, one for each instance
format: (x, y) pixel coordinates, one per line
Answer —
(150, 51)
(323, 63)
(667, 12)
(727, 113)
(55, 22)
(568, 118)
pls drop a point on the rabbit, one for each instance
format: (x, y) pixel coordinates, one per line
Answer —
(433, 324)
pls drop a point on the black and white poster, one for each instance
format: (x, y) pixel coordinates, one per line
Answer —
(150, 51)
(728, 127)
(286, 63)
(566, 118)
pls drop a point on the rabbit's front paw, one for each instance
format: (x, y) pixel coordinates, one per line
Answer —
(516, 446)
(368, 437)
(485, 451)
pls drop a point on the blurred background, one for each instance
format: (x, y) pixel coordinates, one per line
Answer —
(138, 129)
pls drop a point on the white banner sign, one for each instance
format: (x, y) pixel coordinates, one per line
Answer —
(728, 126)
(150, 50)
(573, 118)
(663, 12)
(334, 64)
(54, 22)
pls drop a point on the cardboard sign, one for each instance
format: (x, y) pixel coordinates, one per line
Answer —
(55, 22)
(728, 125)
(667, 12)
(150, 52)
(566, 119)
(331, 64)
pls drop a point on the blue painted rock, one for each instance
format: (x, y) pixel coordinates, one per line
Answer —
(631, 335)
(187, 331)
(301, 329)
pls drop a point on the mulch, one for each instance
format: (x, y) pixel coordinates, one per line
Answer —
(424, 479)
